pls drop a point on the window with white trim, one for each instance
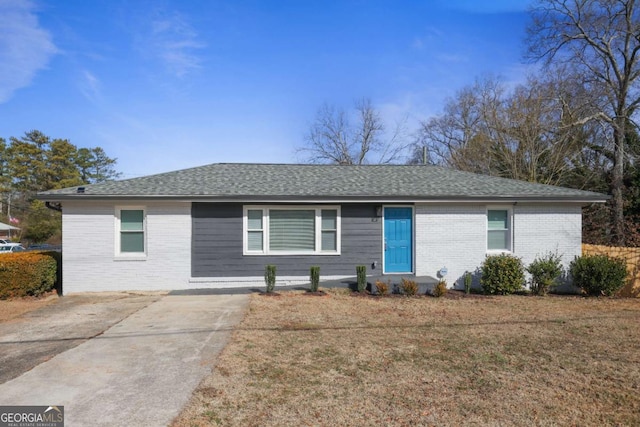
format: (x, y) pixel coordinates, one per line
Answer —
(255, 230)
(329, 230)
(286, 230)
(130, 231)
(498, 230)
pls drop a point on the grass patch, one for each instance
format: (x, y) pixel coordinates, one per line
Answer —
(513, 360)
(12, 308)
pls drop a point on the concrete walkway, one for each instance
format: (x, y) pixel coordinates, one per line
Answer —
(37, 336)
(139, 372)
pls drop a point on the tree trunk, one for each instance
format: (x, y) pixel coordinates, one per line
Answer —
(617, 185)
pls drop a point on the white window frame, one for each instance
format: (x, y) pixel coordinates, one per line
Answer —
(118, 231)
(265, 229)
(509, 210)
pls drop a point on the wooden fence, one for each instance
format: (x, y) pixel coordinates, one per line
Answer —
(631, 257)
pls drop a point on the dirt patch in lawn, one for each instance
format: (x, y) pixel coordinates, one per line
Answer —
(509, 360)
(10, 309)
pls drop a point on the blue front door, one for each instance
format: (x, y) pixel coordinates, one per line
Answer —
(398, 232)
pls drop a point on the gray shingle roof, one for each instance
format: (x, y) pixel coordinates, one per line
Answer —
(311, 182)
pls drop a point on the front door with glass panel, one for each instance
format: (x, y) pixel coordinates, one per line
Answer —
(398, 239)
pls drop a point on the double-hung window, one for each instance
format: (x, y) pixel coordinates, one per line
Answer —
(130, 239)
(291, 230)
(255, 230)
(498, 230)
(329, 229)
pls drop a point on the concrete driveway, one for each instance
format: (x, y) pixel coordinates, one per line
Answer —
(140, 371)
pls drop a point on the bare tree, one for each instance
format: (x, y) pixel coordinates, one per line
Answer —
(538, 135)
(601, 40)
(333, 138)
(459, 138)
(518, 134)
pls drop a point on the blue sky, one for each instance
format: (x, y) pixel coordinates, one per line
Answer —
(164, 84)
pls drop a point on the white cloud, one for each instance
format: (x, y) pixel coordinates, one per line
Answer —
(401, 115)
(90, 86)
(25, 47)
(174, 41)
(430, 35)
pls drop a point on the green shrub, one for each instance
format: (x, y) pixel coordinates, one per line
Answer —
(361, 273)
(598, 274)
(382, 287)
(409, 287)
(270, 277)
(545, 272)
(467, 282)
(26, 274)
(314, 278)
(502, 274)
(440, 289)
(57, 256)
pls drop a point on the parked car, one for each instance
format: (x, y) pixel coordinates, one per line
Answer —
(11, 248)
(44, 247)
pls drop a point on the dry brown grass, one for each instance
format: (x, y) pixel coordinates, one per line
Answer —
(298, 360)
(10, 309)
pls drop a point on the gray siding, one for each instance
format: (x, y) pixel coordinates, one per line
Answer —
(217, 244)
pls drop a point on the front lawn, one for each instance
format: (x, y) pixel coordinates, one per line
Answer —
(299, 360)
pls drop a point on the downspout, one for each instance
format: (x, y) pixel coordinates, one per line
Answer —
(513, 228)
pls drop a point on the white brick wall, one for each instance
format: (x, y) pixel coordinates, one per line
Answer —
(455, 236)
(89, 257)
(452, 236)
(539, 229)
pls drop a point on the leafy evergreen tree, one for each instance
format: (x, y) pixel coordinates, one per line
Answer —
(35, 162)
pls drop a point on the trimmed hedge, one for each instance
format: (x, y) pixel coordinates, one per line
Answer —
(270, 277)
(314, 278)
(502, 274)
(26, 274)
(545, 273)
(598, 274)
(57, 256)
(361, 277)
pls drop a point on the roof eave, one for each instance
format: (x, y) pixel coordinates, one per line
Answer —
(583, 199)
